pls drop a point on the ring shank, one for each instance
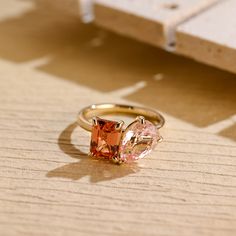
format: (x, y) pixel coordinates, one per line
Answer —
(86, 114)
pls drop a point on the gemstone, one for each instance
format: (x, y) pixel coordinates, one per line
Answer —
(139, 139)
(105, 139)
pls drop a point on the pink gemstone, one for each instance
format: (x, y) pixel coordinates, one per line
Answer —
(138, 140)
(105, 139)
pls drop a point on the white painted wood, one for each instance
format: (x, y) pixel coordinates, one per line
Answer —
(151, 21)
(86, 10)
(211, 36)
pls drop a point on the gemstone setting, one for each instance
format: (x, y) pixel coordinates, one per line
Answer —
(110, 141)
(138, 140)
(105, 138)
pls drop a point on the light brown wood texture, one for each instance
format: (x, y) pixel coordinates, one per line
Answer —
(152, 21)
(51, 66)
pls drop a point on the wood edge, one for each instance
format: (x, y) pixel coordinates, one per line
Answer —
(205, 51)
(130, 25)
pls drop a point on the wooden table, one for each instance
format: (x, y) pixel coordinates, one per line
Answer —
(51, 66)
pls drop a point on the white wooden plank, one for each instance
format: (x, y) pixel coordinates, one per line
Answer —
(151, 21)
(85, 10)
(211, 36)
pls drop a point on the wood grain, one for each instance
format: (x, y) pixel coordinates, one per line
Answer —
(190, 28)
(152, 21)
(48, 185)
(212, 44)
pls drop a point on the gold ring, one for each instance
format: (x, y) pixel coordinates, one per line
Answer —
(112, 140)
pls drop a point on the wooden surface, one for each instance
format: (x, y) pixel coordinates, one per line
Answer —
(201, 29)
(152, 21)
(215, 43)
(52, 66)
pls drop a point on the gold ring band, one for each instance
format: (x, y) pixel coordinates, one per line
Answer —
(86, 114)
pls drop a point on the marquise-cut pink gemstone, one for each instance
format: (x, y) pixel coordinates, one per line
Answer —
(138, 140)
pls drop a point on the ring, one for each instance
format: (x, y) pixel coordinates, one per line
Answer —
(113, 140)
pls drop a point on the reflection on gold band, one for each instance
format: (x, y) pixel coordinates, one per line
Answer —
(86, 114)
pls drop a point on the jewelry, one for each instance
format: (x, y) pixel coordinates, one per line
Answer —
(111, 140)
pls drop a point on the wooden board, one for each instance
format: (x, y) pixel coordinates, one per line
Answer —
(210, 37)
(152, 21)
(52, 66)
(191, 28)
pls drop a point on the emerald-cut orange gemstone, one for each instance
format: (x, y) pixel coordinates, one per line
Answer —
(105, 139)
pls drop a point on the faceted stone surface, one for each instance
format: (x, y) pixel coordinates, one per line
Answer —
(105, 139)
(137, 141)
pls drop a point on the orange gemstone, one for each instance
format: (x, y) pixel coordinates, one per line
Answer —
(105, 139)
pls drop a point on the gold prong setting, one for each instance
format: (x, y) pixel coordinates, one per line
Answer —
(120, 125)
(141, 119)
(117, 160)
(94, 121)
